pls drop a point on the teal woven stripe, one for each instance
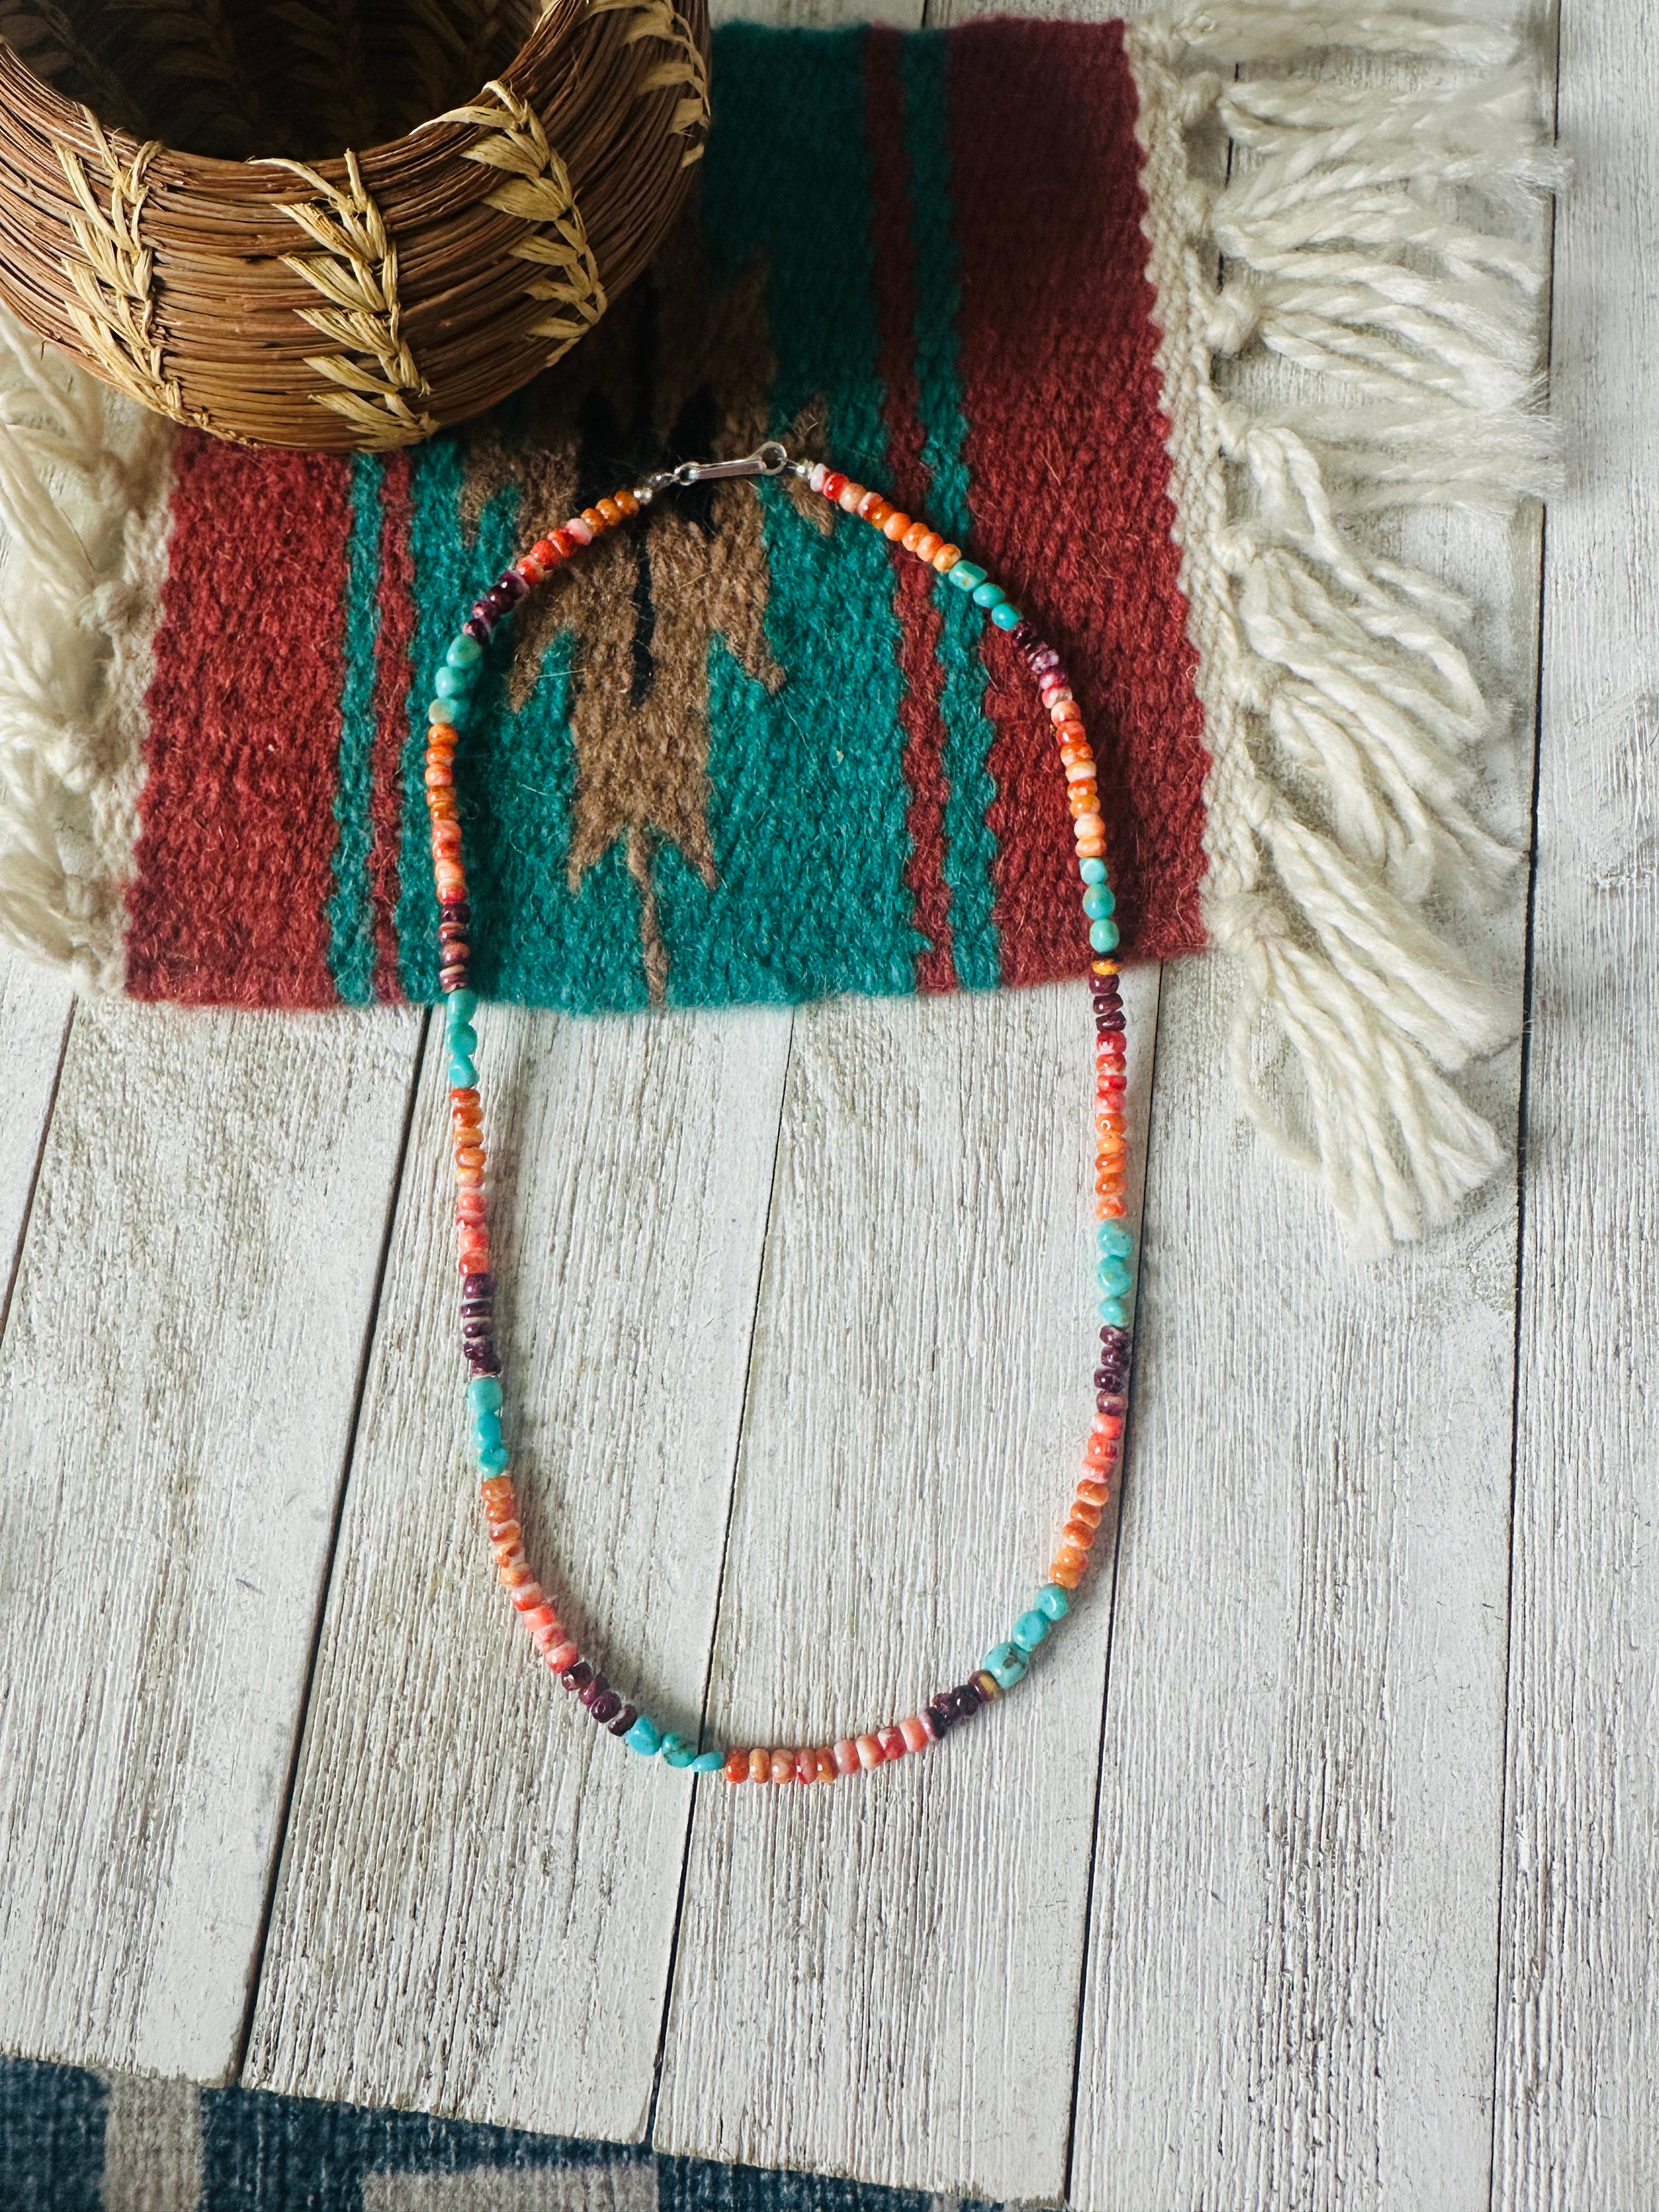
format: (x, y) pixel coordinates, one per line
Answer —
(532, 941)
(350, 920)
(808, 801)
(970, 847)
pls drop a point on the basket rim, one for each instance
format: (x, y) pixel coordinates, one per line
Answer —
(61, 116)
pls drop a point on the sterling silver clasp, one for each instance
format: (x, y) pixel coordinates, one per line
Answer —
(770, 459)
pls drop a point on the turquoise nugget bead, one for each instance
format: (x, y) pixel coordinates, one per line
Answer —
(493, 1459)
(1052, 1601)
(1113, 1312)
(1115, 1239)
(965, 576)
(1103, 935)
(463, 1040)
(464, 651)
(708, 1762)
(462, 1074)
(484, 1396)
(486, 1429)
(1005, 617)
(441, 710)
(1092, 872)
(678, 1750)
(1030, 1630)
(1098, 903)
(1114, 1279)
(987, 595)
(460, 1006)
(453, 682)
(645, 1737)
(1004, 1665)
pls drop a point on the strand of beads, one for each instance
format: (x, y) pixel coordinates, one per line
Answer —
(1006, 1664)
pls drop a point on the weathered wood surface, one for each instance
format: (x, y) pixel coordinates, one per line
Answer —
(34, 1018)
(478, 1893)
(181, 1370)
(1577, 2123)
(882, 1979)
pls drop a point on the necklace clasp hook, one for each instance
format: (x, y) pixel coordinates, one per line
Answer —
(770, 459)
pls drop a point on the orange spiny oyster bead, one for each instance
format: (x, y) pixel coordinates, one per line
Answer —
(737, 1767)
(783, 1766)
(760, 1765)
(497, 1490)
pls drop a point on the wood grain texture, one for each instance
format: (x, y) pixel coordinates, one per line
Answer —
(180, 1367)
(880, 1979)
(1291, 1959)
(1579, 2049)
(477, 1893)
(34, 1018)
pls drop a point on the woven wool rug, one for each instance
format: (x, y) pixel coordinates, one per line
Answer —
(76, 2142)
(744, 753)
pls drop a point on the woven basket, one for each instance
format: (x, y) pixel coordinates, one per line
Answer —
(309, 298)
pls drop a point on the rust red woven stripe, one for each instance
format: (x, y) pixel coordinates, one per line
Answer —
(233, 873)
(920, 710)
(394, 673)
(1070, 299)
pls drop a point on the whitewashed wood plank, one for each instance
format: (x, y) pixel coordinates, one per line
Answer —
(34, 1017)
(880, 1979)
(179, 1372)
(478, 1893)
(1578, 2051)
(1291, 1961)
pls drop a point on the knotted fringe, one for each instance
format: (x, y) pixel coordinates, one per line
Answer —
(82, 506)
(1341, 713)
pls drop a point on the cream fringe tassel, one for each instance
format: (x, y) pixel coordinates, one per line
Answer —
(1340, 712)
(83, 508)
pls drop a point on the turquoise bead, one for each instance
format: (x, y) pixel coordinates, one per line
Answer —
(708, 1762)
(645, 1737)
(462, 1074)
(1030, 1630)
(460, 1006)
(485, 1396)
(453, 682)
(1103, 935)
(1114, 1279)
(1052, 1601)
(464, 651)
(1098, 903)
(441, 710)
(493, 1459)
(487, 1431)
(1005, 617)
(678, 1750)
(1092, 872)
(987, 595)
(1116, 1239)
(1006, 1665)
(1113, 1312)
(966, 576)
(463, 1040)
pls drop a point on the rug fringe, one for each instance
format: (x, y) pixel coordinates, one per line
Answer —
(80, 480)
(1342, 713)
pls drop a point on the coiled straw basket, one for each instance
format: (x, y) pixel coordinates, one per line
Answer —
(296, 295)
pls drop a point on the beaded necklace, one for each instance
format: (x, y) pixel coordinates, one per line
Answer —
(1006, 1664)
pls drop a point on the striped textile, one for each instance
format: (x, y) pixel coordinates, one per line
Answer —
(736, 755)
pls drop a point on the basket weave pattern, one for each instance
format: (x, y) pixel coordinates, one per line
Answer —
(363, 300)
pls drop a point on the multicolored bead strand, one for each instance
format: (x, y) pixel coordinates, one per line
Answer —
(1006, 1664)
